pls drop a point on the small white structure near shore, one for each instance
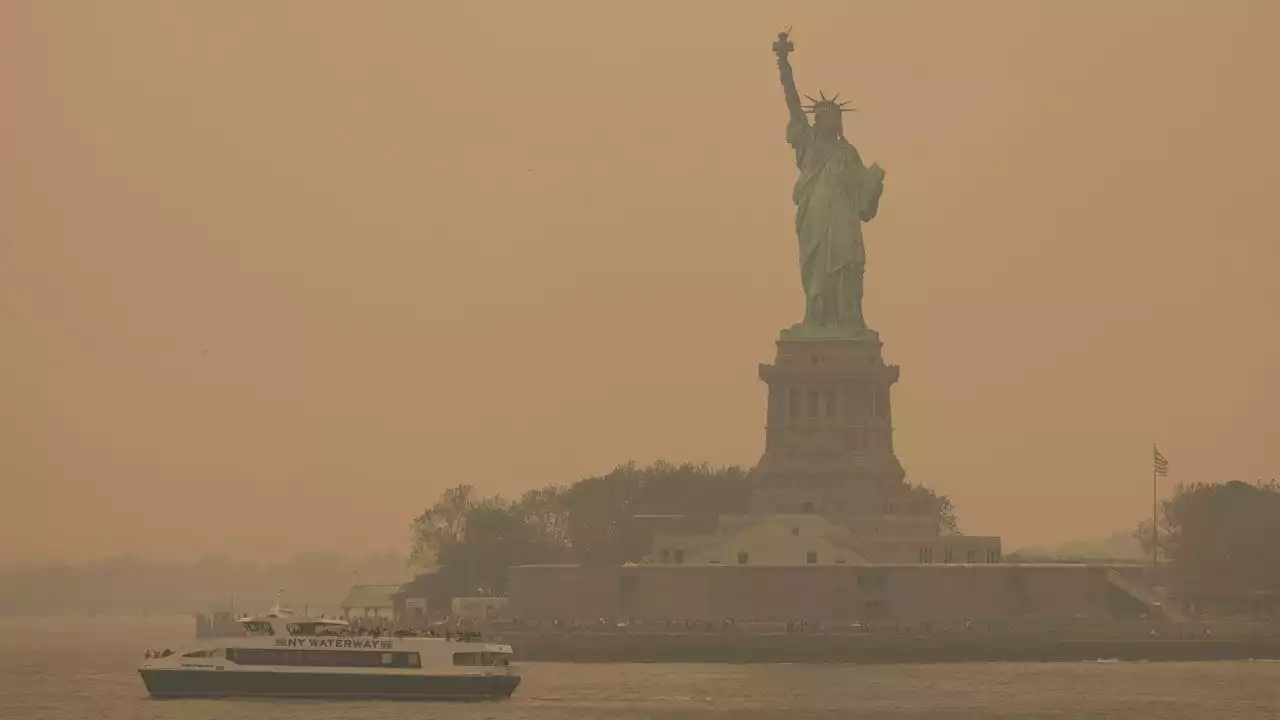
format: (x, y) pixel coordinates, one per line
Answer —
(479, 609)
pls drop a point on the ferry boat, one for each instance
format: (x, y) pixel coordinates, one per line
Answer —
(280, 655)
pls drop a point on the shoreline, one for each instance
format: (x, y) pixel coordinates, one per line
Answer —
(817, 649)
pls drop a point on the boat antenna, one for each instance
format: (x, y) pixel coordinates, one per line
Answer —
(277, 609)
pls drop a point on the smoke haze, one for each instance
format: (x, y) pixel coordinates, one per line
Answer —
(273, 274)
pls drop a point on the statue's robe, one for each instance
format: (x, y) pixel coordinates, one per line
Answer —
(834, 195)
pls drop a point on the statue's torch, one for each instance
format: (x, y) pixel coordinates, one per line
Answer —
(783, 44)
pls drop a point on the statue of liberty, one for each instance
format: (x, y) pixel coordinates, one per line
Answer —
(834, 195)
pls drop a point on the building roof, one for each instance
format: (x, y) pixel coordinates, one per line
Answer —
(420, 586)
(368, 597)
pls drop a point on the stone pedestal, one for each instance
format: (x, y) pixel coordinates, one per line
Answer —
(829, 428)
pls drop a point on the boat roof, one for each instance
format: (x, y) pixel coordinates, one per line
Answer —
(314, 621)
(287, 615)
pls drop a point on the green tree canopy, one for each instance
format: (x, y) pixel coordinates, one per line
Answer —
(602, 510)
(1221, 539)
(598, 520)
(474, 539)
(926, 501)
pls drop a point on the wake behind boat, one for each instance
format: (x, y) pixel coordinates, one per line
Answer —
(285, 656)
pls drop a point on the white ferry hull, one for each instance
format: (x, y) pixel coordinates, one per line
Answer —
(186, 683)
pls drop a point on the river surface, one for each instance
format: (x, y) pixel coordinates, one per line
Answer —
(82, 668)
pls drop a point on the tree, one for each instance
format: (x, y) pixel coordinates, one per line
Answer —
(474, 539)
(602, 510)
(546, 512)
(441, 524)
(497, 537)
(926, 501)
(1221, 539)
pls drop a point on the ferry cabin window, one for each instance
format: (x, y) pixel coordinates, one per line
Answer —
(323, 658)
(258, 627)
(314, 628)
(473, 659)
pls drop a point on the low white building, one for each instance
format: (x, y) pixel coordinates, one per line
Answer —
(479, 609)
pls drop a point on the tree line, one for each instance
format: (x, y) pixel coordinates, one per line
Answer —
(607, 519)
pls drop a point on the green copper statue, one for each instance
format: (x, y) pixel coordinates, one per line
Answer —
(834, 195)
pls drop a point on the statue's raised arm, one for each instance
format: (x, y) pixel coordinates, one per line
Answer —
(783, 47)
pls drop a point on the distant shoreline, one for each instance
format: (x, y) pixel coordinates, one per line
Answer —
(718, 648)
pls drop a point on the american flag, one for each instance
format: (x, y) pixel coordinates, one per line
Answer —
(1159, 463)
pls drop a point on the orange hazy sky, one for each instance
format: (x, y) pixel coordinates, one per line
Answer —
(273, 274)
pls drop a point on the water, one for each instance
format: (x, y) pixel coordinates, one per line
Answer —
(72, 669)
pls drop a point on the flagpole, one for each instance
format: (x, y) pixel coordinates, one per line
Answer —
(1155, 524)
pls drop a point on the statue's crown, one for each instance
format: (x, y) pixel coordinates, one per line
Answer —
(827, 104)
